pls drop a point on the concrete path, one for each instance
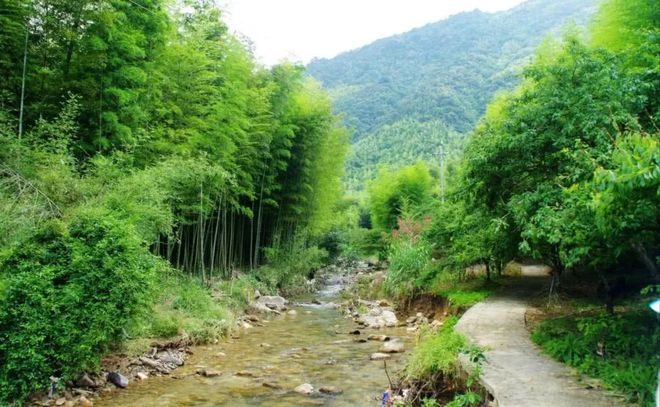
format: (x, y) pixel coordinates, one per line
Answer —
(516, 373)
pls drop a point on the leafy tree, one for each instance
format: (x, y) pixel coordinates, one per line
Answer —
(393, 193)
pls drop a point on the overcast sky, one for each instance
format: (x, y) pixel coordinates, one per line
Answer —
(299, 30)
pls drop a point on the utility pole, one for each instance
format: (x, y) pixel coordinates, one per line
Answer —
(20, 118)
(442, 172)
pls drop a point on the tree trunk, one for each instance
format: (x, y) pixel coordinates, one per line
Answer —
(646, 260)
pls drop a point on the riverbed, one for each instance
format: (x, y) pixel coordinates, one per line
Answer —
(313, 345)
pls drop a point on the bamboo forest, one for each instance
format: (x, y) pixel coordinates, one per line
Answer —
(463, 213)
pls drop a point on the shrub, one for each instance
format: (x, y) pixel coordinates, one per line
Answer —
(289, 264)
(436, 353)
(70, 292)
(621, 349)
(409, 257)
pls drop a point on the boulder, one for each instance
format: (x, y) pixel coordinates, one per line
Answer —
(304, 388)
(378, 318)
(392, 347)
(379, 356)
(118, 380)
(142, 375)
(85, 381)
(171, 358)
(270, 303)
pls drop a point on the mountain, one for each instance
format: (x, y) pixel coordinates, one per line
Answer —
(436, 79)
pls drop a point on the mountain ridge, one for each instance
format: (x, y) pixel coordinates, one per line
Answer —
(444, 72)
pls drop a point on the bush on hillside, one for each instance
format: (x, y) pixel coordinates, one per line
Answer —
(69, 293)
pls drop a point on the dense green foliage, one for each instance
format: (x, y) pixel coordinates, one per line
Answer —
(406, 94)
(145, 131)
(567, 175)
(396, 145)
(621, 349)
(71, 292)
(394, 193)
(437, 352)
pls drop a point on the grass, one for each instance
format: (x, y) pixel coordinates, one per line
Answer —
(436, 352)
(186, 308)
(621, 350)
(463, 293)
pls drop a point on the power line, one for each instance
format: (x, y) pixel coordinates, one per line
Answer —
(139, 5)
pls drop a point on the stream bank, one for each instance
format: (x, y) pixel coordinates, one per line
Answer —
(319, 349)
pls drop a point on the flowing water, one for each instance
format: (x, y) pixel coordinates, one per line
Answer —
(312, 347)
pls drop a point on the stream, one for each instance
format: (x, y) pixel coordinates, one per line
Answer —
(311, 346)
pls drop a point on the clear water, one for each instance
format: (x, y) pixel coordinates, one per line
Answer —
(310, 347)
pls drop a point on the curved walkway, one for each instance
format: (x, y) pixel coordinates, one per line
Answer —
(516, 373)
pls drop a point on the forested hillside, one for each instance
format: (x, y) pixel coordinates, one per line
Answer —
(441, 75)
(140, 141)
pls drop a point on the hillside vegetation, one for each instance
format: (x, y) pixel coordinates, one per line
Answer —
(433, 81)
(562, 170)
(145, 158)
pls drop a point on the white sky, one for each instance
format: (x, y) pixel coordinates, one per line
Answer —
(298, 30)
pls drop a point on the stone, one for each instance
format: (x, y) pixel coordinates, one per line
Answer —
(360, 340)
(142, 375)
(257, 294)
(273, 302)
(84, 402)
(330, 390)
(381, 338)
(354, 332)
(379, 356)
(304, 388)
(245, 325)
(221, 354)
(392, 347)
(171, 358)
(378, 318)
(60, 401)
(272, 386)
(85, 381)
(252, 318)
(244, 373)
(148, 362)
(118, 380)
(209, 373)
(292, 312)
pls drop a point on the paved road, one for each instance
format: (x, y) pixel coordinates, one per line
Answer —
(516, 373)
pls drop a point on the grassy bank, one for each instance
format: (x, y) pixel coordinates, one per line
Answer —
(434, 374)
(187, 308)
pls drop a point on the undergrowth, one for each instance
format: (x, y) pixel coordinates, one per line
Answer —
(621, 350)
(433, 370)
